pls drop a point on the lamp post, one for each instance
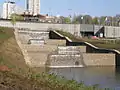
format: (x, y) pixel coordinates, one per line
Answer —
(82, 19)
(70, 15)
(106, 27)
(98, 22)
(71, 26)
(75, 31)
(106, 19)
(99, 26)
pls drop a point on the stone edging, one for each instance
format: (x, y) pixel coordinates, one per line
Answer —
(24, 52)
(63, 36)
(80, 66)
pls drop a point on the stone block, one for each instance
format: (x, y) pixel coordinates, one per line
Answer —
(99, 59)
(36, 42)
(65, 61)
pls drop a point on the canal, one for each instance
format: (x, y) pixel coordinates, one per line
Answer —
(106, 77)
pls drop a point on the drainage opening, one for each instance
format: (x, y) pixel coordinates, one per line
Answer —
(76, 63)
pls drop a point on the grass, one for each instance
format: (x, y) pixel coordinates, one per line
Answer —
(41, 82)
(99, 43)
(68, 35)
(5, 33)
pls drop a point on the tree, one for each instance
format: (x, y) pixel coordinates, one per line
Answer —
(79, 19)
(116, 21)
(95, 21)
(67, 20)
(87, 19)
(13, 20)
(18, 17)
(102, 20)
(76, 20)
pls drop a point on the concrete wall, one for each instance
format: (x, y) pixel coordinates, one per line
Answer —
(65, 61)
(82, 49)
(99, 59)
(44, 26)
(97, 28)
(72, 28)
(87, 60)
(86, 28)
(112, 32)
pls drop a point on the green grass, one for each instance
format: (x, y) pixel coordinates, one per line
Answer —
(99, 43)
(5, 33)
(68, 35)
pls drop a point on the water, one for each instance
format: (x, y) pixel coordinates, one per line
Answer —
(106, 77)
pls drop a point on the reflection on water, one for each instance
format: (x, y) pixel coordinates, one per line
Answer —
(104, 76)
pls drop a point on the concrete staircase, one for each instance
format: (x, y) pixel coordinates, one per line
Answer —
(35, 53)
(55, 53)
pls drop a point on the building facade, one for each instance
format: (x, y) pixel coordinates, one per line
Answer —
(33, 6)
(8, 9)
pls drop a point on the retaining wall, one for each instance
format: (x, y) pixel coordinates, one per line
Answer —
(65, 61)
(109, 31)
(89, 47)
(99, 59)
(112, 32)
(72, 28)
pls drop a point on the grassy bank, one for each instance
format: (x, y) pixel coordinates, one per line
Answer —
(40, 82)
(10, 53)
(99, 43)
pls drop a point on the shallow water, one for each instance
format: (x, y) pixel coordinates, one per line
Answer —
(106, 77)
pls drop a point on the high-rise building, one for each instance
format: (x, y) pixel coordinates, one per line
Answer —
(33, 6)
(8, 9)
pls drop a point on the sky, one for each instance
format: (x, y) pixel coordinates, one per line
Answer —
(67, 7)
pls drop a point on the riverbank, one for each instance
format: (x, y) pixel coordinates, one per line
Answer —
(30, 81)
(16, 75)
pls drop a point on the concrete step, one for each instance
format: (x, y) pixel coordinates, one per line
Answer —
(56, 42)
(36, 42)
(38, 59)
(70, 49)
(48, 48)
(68, 52)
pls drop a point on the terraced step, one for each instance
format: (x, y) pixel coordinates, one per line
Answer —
(48, 48)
